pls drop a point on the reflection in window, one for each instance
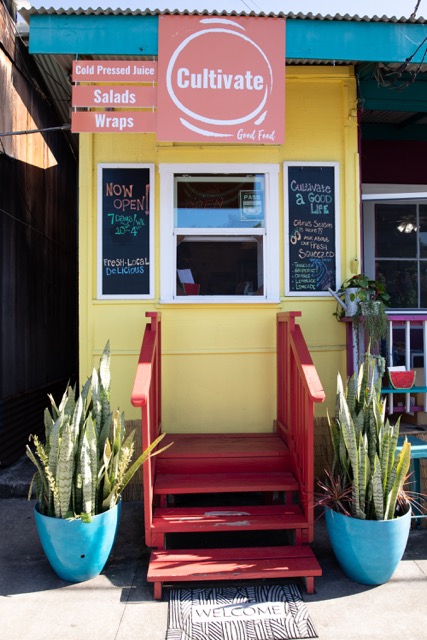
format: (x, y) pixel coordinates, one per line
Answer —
(401, 252)
(401, 278)
(224, 267)
(395, 230)
(210, 201)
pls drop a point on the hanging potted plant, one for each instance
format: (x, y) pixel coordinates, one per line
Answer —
(82, 469)
(367, 512)
(347, 296)
(360, 293)
(373, 300)
(365, 301)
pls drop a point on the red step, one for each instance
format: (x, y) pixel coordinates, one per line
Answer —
(233, 564)
(181, 483)
(228, 445)
(218, 519)
(256, 518)
(220, 453)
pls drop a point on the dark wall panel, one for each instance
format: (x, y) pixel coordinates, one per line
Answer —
(38, 251)
(394, 162)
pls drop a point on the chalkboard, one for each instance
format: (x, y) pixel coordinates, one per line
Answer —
(311, 228)
(125, 231)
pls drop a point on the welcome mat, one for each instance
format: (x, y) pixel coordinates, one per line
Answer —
(266, 612)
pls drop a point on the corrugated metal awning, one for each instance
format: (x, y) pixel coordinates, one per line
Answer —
(279, 14)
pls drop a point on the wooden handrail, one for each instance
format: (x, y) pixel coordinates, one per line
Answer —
(148, 358)
(300, 350)
(306, 367)
(298, 389)
(146, 394)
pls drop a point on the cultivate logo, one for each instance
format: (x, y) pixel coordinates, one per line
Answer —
(216, 79)
(221, 79)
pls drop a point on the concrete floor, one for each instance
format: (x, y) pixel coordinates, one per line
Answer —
(119, 605)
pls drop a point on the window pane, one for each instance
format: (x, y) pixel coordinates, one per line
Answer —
(402, 279)
(222, 266)
(423, 284)
(396, 230)
(399, 349)
(423, 231)
(219, 201)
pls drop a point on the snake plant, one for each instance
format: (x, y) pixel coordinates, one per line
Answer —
(86, 459)
(364, 444)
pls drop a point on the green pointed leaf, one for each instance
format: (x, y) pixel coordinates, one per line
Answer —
(65, 469)
(377, 490)
(400, 471)
(104, 369)
(86, 475)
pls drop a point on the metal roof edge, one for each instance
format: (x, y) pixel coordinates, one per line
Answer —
(290, 16)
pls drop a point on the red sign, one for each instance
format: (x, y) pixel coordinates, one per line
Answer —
(221, 79)
(113, 121)
(114, 96)
(114, 71)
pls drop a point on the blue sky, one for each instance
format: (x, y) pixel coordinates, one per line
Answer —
(397, 8)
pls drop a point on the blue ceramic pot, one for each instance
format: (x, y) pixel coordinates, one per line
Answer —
(368, 551)
(77, 550)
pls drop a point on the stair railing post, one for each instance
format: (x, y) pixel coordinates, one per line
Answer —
(298, 388)
(146, 394)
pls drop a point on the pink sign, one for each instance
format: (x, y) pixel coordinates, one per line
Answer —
(114, 71)
(129, 96)
(221, 79)
(113, 121)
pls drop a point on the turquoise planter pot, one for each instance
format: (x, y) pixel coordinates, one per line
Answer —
(368, 551)
(76, 550)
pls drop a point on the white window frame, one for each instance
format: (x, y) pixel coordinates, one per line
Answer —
(168, 250)
(373, 194)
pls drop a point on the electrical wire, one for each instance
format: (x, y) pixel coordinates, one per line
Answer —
(402, 76)
(63, 246)
(414, 13)
(254, 3)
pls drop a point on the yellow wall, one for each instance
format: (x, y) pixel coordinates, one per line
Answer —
(219, 360)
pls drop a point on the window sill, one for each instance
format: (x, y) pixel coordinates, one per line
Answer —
(220, 300)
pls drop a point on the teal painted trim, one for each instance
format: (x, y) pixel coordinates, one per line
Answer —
(305, 39)
(354, 41)
(413, 132)
(412, 98)
(94, 35)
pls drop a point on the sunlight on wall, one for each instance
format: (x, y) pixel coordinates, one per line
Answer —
(30, 148)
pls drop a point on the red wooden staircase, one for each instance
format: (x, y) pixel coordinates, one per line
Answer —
(208, 484)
